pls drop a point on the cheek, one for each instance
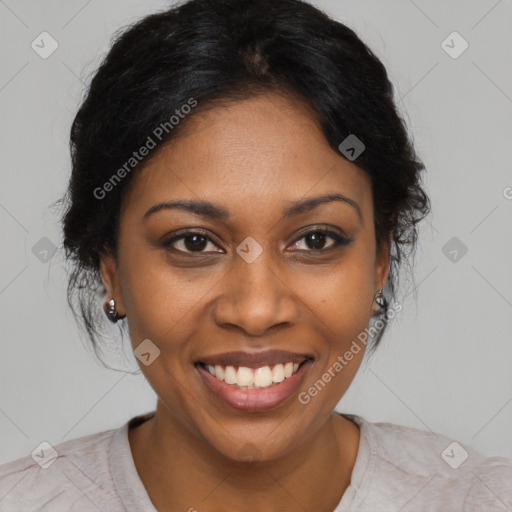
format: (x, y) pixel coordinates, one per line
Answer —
(347, 292)
(344, 316)
(157, 298)
(161, 301)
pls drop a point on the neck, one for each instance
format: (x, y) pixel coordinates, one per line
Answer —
(181, 471)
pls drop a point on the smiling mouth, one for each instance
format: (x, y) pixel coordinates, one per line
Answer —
(242, 377)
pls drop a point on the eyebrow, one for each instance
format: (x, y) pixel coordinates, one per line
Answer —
(212, 211)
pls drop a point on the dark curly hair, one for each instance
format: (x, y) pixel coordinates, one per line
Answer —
(227, 50)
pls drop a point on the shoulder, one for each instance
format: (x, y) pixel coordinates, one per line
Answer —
(72, 475)
(432, 470)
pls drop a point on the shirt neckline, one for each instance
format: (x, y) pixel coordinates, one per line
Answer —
(129, 486)
(134, 496)
(363, 470)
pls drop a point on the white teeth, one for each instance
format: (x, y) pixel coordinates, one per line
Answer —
(244, 377)
(278, 373)
(262, 377)
(230, 375)
(219, 372)
(251, 378)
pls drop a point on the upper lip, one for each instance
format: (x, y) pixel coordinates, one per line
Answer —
(254, 359)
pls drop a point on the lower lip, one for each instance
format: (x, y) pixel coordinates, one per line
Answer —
(254, 400)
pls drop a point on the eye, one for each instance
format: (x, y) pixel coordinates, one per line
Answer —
(315, 240)
(190, 242)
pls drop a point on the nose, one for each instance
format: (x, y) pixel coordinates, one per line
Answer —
(256, 298)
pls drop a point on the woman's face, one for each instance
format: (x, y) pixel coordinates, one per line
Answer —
(251, 289)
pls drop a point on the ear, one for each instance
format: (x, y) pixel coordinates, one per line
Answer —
(110, 277)
(382, 261)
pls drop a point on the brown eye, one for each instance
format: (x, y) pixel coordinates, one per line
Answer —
(315, 240)
(190, 242)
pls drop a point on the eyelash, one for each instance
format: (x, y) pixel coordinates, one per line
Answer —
(338, 239)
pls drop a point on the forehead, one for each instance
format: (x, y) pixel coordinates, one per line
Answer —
(262, 152)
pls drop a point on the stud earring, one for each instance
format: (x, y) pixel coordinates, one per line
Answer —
(111, 311)
(379, 299)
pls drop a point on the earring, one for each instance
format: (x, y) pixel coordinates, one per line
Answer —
(379, 299)
(111, 311)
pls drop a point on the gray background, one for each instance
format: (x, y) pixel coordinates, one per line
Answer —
(444, 365)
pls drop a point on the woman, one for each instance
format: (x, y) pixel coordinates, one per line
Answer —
(243, 191)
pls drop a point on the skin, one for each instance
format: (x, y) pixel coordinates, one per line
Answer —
(252, 157)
